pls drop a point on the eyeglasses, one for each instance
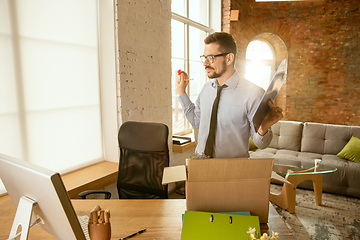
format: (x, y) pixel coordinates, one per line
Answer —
(211, 58)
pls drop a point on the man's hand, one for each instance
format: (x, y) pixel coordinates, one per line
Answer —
(273, 116)
(181, 83)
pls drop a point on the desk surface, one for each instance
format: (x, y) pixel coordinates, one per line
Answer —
(161, 218)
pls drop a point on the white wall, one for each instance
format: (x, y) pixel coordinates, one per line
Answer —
(144, 80)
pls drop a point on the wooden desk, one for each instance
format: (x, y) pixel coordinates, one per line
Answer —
(161, 218)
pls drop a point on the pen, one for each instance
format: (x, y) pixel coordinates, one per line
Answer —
(134, 234)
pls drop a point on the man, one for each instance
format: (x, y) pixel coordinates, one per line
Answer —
(238, 102)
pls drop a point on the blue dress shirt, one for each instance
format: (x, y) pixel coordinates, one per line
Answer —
(237, 106)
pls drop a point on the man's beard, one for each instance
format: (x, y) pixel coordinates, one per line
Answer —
(215, 74)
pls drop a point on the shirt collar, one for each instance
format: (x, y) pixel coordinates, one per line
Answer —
(232, 82)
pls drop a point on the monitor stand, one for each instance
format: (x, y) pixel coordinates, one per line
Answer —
(23, 218)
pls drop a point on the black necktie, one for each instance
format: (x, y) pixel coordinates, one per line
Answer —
(209, 147)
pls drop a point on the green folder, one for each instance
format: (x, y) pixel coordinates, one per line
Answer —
(206, 225)
(236, 213)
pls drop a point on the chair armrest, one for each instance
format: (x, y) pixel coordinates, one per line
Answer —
(84, 194)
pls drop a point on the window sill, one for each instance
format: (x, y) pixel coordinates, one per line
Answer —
(184, 147)
(93, 177)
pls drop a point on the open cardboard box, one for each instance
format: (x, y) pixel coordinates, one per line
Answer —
(225, 185)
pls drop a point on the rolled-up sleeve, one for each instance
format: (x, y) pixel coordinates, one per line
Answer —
(189, 110)
(263, 141)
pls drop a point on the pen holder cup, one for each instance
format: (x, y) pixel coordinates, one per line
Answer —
(100, 231)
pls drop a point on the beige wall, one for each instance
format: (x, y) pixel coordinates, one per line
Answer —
(144, 61)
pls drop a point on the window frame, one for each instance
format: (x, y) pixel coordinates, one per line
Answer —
(108, 78)
(214, 13)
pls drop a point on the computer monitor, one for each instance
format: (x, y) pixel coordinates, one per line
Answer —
(39, 193)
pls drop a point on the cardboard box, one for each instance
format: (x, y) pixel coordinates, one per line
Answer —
(225, 185)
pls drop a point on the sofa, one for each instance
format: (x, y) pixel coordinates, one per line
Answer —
(301, 143)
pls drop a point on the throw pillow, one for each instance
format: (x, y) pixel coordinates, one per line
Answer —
(251, 144)
(351, 151)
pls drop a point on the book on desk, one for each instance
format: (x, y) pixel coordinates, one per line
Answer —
(180, 140)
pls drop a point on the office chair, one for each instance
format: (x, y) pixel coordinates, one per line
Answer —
(144, 153)
(95, 194)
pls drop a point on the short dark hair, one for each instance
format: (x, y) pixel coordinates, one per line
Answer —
(225, 40)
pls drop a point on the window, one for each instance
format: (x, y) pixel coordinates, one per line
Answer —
(50, 102)
(189, 26)
(260, 63)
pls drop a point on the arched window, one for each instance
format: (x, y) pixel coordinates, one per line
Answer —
(260, 63)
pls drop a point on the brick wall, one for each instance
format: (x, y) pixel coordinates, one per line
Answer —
(144, 61)
(323, 43)
(225, 15)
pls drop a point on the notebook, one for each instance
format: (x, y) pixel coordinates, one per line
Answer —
(271, 93)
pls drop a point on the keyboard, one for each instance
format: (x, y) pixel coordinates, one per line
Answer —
(83, 220)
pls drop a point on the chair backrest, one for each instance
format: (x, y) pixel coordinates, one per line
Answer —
(144, 153)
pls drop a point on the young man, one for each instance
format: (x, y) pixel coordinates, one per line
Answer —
(239, 98)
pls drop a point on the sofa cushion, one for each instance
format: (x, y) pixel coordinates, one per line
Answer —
(263, 153)
(351, 151)
(336, 137)
(352, 173)
(276, 133)
(294, 158)
(313, 138)
(326, 138)
(287, 135)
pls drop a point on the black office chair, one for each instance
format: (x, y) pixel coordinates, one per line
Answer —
(144, 153)
(95, 194)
